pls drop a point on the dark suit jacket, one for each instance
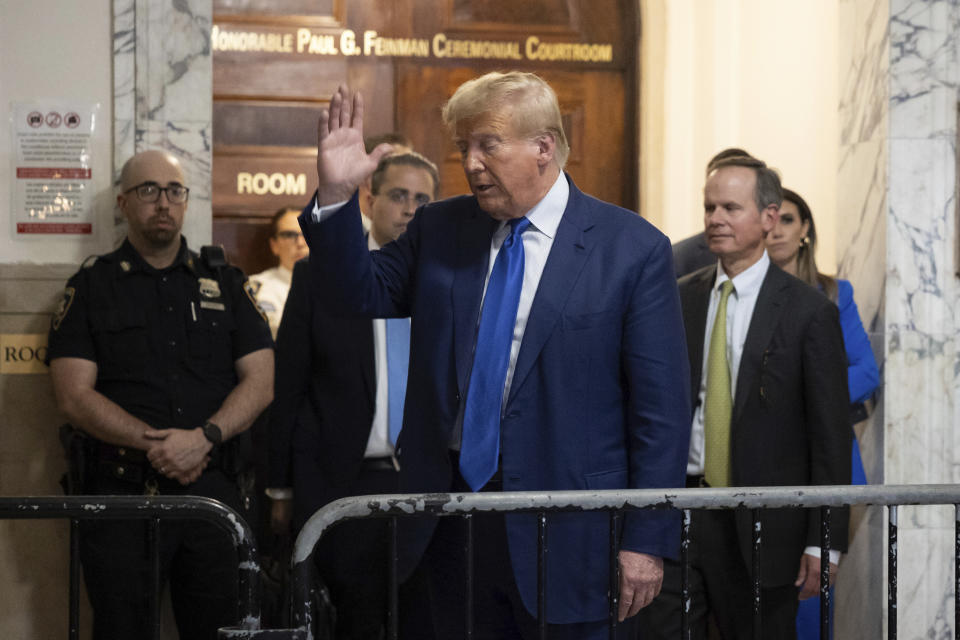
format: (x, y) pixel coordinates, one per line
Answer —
(598, 399)
(789, 424)
(691, 254)
(325, 398)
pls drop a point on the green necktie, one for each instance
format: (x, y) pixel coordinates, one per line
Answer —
(718, 408)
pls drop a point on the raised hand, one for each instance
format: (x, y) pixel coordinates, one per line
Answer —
(342, 161)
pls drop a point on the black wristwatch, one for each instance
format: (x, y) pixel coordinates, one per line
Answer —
(212, 433)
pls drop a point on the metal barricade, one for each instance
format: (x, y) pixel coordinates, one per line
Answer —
(152, 509)
(755, 499)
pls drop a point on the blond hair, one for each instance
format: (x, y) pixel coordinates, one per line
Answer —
(535, 107)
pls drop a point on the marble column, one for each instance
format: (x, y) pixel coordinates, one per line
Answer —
(896, 243)
(163, 97)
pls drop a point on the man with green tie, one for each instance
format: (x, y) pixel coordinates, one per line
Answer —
(769, 392)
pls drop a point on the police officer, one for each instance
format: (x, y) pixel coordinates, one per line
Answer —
(162, 358)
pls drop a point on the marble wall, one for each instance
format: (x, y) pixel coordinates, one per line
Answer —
(162, 79)
(897, 182)
(861, 249)
(921, 297)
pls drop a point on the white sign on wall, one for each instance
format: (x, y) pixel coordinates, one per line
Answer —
(52, 183)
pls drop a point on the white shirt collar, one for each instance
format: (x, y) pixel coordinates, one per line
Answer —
(747, 282)
(545, 215)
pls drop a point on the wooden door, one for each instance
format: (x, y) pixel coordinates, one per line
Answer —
(276, 62)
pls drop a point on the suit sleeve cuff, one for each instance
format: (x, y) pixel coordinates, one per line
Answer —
(279, 493)
(322, 213)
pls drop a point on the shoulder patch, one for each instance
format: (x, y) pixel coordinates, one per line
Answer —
(252, 294)
(68, 295)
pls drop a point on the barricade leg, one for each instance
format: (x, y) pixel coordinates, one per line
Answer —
(892, 574)
(614, 574)
(468, 550)
(74, 623)
(393, 584)
(757, 618)
(684, 576)
(956, 573)
(542, 575)
(825, 573)
(153, 549)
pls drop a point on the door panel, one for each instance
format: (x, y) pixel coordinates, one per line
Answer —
(276, 63)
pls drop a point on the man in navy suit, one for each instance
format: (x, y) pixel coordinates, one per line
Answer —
(330, 428)
(580, 385)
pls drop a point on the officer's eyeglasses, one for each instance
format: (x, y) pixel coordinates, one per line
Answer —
(289, 235)
(150, 192)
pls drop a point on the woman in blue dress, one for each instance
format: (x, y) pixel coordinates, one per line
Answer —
(791, 246)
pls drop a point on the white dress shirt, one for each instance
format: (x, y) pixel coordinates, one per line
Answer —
(537, 242)
(538, 239)
(740, 305)
(378, 444)
(272, 287)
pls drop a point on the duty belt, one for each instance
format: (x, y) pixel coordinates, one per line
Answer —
(130, 466)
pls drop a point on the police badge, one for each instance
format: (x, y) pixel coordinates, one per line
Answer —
(63, 307)
(209, 288)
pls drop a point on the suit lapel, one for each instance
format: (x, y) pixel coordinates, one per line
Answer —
(473, 256)
(568, 255)
(363, 338)
(695, 298)
(766, 314)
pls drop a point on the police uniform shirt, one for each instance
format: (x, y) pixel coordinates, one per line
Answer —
(271, 288)
(164, 341)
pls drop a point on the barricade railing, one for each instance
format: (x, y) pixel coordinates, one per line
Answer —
(152, 509)
(615, 502)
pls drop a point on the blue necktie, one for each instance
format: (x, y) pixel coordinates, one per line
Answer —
(480, 442)
(398, 357)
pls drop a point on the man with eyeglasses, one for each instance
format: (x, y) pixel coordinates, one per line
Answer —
(273, 285)
(161, 360)
(340, 387)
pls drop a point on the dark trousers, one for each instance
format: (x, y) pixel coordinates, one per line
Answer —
(498, 611)
(197, 560)
(720, 588)
(352, 561)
